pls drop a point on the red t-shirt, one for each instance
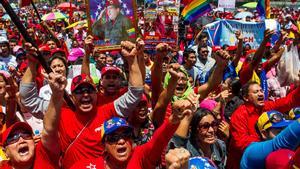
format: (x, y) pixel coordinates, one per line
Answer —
(104, 99)
(88, 142)
(43, 159)
(146, 156)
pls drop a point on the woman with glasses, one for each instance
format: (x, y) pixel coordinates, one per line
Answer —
(201, 139)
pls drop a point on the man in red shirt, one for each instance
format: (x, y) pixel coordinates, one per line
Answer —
(119, 153)
(244, 119)
(80, 129)
(18, 142)
(110, 85)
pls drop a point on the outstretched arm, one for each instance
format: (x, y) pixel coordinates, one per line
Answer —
(49, 136)
(217, 75)
(165, 97)
(162, 50)
(239, 51)
(274, 59)
(88, 47)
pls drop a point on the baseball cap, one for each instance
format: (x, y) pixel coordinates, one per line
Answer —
(272, 119)
(81, 79)
(110, 69)
(17, 125)
(200, 163)
(112, 2)
(112, 125)
(231, 48)
(58, 50)
(75, 54)
(3, 39)
(294, 113)
(279, 159)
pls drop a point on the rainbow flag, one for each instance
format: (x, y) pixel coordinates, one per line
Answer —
(263, 8)
(195, 9)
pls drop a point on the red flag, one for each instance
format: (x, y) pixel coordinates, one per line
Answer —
(24, 3)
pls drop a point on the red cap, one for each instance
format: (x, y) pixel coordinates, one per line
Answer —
(231, 48)
(252, 51)
(81, 79)
(279, 159)
(189, 36)
(17, 125)
(268, 44)
(44, 48)
(216, 48)
(112, 2)
(58, 50)
(295, 161)
(110, 69)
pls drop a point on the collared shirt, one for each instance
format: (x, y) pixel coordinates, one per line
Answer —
(204, 69)
(218, 149)
(243, 121)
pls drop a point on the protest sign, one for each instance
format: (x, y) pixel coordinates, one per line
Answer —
(112, 21)
(161, 22)
(226, 4)
(223, 32)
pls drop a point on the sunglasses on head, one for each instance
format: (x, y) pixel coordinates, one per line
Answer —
(274, 118)
(15, 138)
(82, 90)
(206, 125)
(113, 138)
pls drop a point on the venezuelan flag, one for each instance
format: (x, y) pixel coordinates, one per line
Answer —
(263, 8)
(195, 9)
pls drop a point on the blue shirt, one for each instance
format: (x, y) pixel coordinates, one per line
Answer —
(256, 153)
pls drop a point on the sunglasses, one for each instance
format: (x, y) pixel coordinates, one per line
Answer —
(275, 118)
(206, 125)
(116, 137)
(111, 77)
(15, 138)
(82, 90)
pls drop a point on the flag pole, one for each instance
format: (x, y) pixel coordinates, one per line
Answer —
(36, 11)
(26, 36)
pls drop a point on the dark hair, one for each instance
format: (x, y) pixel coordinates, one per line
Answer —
(60, 58)
(201, 46)
(4, 78)
(187, 52)
(203, 35)
(225, 46)
(236, 86)
(200, 113)
(245, 88)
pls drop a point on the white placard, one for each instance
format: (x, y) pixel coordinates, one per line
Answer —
(226, 4)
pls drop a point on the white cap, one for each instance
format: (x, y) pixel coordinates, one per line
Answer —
(3, 39)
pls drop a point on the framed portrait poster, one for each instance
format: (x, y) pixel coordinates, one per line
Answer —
(161, 22)
(112, 21)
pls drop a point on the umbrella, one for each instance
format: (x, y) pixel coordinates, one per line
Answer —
(75, 54)
(79, 23)
(66, 5)
(53, 16)
(242, 15)
(250, 5)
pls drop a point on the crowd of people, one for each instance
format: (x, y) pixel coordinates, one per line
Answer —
(175, 107)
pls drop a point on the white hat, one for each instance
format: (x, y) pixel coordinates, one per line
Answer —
(3, 39)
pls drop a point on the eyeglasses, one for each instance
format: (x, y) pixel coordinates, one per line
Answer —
(274, 118)
(116, 137)
(15, 138)
(82, 90)
(206, 125)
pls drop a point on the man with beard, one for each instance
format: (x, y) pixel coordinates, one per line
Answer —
(18, 141)
(7, 61)
(244, 118)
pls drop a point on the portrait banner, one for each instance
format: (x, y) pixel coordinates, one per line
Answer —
(112, 21)
(161, 22)
(223, 32)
